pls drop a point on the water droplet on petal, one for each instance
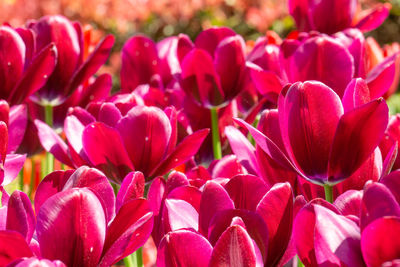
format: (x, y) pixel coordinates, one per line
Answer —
(9, 64)
(146, 44)
(45, 76)
(146, 138)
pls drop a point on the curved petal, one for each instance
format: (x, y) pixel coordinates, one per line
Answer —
(313, 60)
(53, 143)
(139, 63)
(213, 195)
(95, 60)
(20, 215)
(71, 227)
(234, 248)
(36, 75)
(127, 232)
(374, 17)
(210, 38)
(276, 208)
(18, 120)
(145, 132)
(371, 209)
(110, 157)
(246, 191)
(183, 248)
(132, 187)
(229, 61)
(12, 246)
(12, 58)
(377, 244)
(200, 80)
(186, 149)
(382, 76)
(357, 135)
(308, 128)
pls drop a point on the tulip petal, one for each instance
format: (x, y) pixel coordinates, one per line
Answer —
(210, 38)
(179, 214)
(50, 185)
(371, 209)
(308, 128)
(392, 181)
(36, 75)
(311, 59)
(200, 79)
(71, 228)
(127, 232)
(12, 167)
(183, 248)
(213, 195)
(382, 76)
(132, 187)
(357, 135)
(110, 157)
(276, 208)
(349, 203)
(377, 242)
(356, 94)
(186, 149)
(12, 246)
(374, 17)
(95, 60)
(109, 114)
(12, 57)
(18, 120)
(139, 63)
(253, 224)
(145, 132)
(53, 143)
(242, 148)
(20, 215)
(229, 63)
(246, 191)
(234, 248)
(323, 237)
(190, 194)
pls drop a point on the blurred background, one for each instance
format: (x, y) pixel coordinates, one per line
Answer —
(161, 18)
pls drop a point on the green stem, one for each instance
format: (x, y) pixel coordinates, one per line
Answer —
(328, 193)
(135, 259)
(128, 261)
(138, 257)
(48, 117)
(21, 180)
(215, 134)
(33, 177)
(299, 263)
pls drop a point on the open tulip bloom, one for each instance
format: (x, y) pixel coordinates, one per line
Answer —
(292, 120)
(324, 139)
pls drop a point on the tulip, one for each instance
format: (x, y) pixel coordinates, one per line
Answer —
(70, 205)
(153, 151)
(71, 71)
(333, 16)
(244, 201)
(21, 75)
(318, 146)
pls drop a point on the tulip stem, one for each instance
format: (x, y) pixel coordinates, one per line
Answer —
(138, 257)
(33, 177)
(328, 193)
(48, 117)
(215, 134)
(128, 261)
(135, 259)
(21, 179)
(299, 263)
